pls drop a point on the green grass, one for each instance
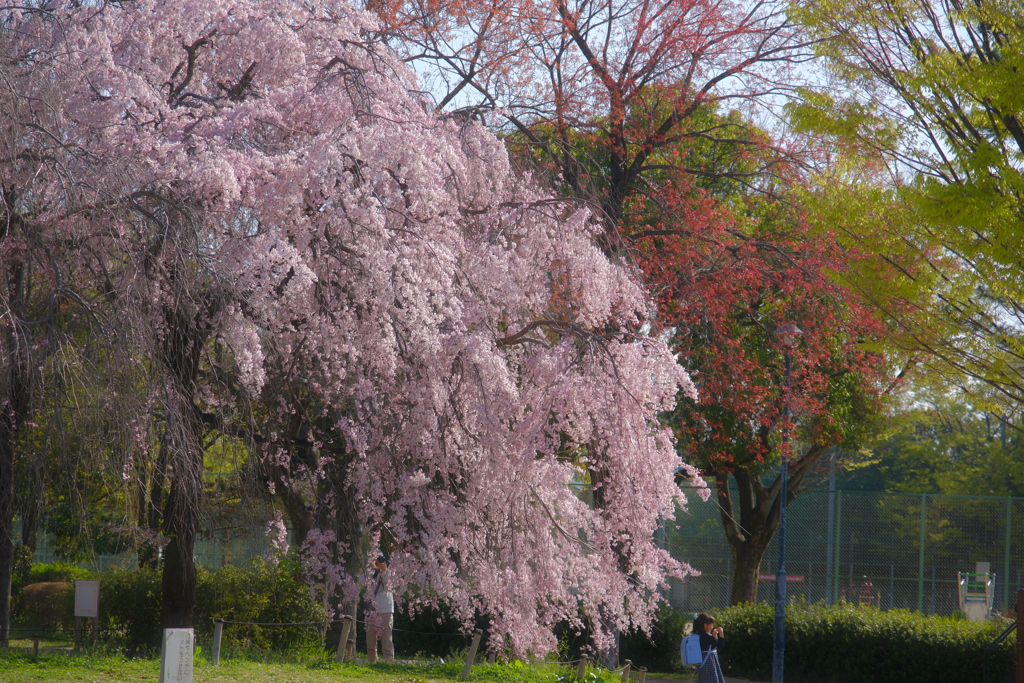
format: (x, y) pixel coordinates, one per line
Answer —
(20, 667)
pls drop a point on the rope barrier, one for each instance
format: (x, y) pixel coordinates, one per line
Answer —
(283, 623)
(548, 661)
(339, 621)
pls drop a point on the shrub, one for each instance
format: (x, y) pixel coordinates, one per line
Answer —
(848, 644)
(433, 632)
(48, 606)
(659, 650)
(130, 607)
(262, 594)
(130, 602)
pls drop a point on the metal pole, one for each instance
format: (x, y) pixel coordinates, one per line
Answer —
(831, 525)
(920, 556)
(1006, 553)
(779, 649)
(218, 633)
(1019, 677)
(839, 545)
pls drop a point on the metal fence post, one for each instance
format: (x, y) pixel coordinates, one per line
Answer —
(1006, 554)
(839, 545)
(920, 556)
(1019, 671)
(218, 632)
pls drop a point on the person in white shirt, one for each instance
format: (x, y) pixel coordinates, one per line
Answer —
(379, 625)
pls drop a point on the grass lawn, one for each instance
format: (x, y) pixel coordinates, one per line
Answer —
(19, 667)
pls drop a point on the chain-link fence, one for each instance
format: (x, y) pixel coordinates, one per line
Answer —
(890, 550)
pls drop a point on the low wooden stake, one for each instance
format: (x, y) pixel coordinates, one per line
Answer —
(490, 657)
(346, 626)
(471, 656)
(643, 675)
(35, 645)
(625, 671)
(581, 670)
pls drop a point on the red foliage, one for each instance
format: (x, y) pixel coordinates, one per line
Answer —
(726, 275)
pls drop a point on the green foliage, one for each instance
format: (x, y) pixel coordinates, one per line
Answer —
(262, 594)
(59, 607)
(21, 667)
(429, 632)
(130, 607)
(26, 573)
(80, 535)
(946, 447)
(847, 644)
(602, 676)
(57, 571)
(659, 650)
(942, 115)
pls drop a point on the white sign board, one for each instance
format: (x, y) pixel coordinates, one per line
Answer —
(176, 659)
(87, 598)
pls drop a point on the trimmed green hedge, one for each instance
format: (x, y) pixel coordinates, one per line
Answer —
(130, 605)
(848, 644)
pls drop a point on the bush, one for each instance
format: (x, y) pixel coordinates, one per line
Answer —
(659, 650)
(130, 605)
(847, 644)
(130, 608)
(52, 607)
(261, 594)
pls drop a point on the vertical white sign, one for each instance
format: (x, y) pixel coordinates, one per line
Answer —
(176, 657)
(87, 598)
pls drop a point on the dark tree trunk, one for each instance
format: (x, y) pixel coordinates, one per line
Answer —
(178, 580)
(182, 348)
(746, 559)
(13, 408)
(8, 435)
(150, 507)
(750, 516)
(30, 513)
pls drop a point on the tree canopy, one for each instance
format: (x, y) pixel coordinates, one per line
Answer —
(297, 240)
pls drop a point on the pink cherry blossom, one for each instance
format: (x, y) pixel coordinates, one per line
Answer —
(469, 368)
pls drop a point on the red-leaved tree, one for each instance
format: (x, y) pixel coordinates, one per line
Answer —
(729, 266)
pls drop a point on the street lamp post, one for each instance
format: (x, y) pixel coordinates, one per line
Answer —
(789, 333)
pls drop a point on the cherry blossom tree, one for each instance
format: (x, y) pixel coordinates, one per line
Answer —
(298, 238)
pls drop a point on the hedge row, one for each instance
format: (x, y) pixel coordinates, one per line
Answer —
(849, 644)
(261, 593)
(130, 605)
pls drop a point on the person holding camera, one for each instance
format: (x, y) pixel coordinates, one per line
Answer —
(711, 639)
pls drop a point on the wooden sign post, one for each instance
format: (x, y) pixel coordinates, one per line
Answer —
(87, 606)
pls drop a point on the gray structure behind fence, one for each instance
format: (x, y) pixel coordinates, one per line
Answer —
(889, 550)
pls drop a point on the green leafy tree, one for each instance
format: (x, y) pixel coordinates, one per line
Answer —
(931, 89)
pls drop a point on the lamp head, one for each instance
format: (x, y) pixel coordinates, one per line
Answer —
(789, 332)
